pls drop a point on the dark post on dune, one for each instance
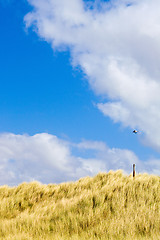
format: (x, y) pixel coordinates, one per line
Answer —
(134, 171)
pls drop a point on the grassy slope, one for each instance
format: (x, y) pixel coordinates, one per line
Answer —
(108, 206)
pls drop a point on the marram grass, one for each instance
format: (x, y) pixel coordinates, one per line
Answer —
(108, 206)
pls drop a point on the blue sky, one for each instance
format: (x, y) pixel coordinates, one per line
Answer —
(47, 92)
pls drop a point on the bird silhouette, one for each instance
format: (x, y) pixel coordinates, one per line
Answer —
(135, 131)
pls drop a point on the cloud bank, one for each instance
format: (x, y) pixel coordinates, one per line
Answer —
(48, 159)
(117, 45)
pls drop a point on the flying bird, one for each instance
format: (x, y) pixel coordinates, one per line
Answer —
(135, 131)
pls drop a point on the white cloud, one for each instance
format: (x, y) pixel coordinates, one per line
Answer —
(42, 157)
(48, 159)
(117, 46)
(104, 158)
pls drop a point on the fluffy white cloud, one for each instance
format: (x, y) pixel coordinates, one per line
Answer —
(48, 159)
(41, 157)
(101, 157)
(117, 45)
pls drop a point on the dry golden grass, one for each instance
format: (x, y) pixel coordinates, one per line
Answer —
(108, 206)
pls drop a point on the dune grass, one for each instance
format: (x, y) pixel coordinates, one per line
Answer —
(107, 206)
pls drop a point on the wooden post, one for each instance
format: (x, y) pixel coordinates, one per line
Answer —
(134, 172)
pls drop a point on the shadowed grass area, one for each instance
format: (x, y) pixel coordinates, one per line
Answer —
(107, 206)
